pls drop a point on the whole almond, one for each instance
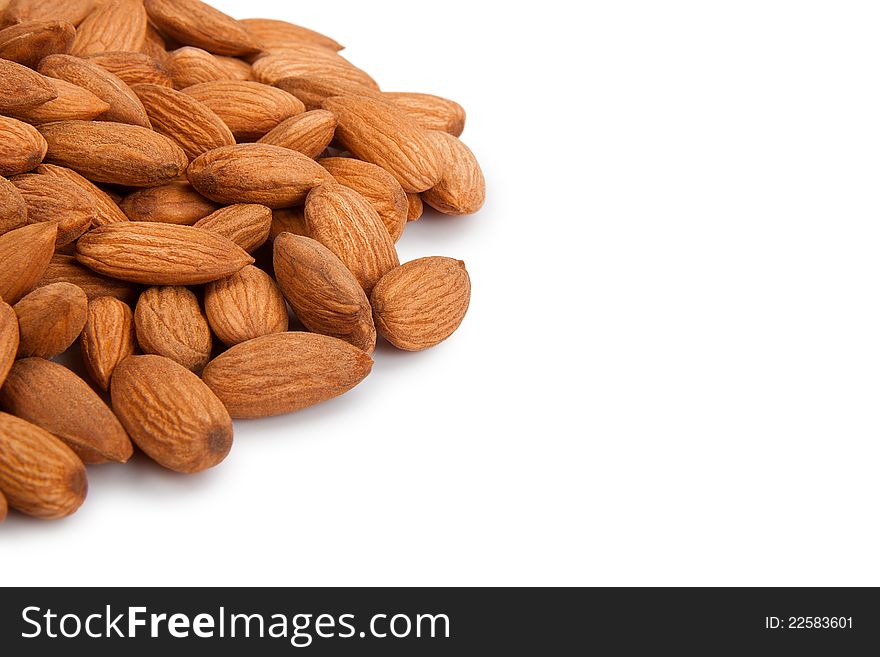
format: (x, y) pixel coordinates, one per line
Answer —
(24, 256)
(285, 372)
(376, 185)
(107, 212)
(189, 66)
(69, 11)
(250, 109)
(308, 133)
(174, 203)
(13, 211)
(59, 201)
(114, 152)
(72, 103)
(377, 131)
(420, 304)
(270, 33)
(245, 224)
(50, 319)
(256, 173)
(314, 89)
(39, 474)
(346, 223)
(8, 339)
(431, 112)
(27, 43)
(462, 187)
(306, 59)
(325, 296)
(114, 25)
(65, 269)
(415, 207)
(190, 123)
(169, 322)
(288, 220)
(22, 147)
(245, 306)
(133, 67)
(21, 88)
(193, 23)
(107, 339)
(53, 398)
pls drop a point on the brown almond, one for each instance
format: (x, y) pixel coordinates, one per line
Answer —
(154, 45)
(270, 33)
(65, 269)
(431, 112)
(245, 224)
(22, 147)
(21, 88)
(114, 25)
(377, 131)
(72, 103)
(245, 306)
(189, 66)
(114, 153)
(27, 43)
(107, 339)
(415, 207)
(59, 201)
(50, 319)
(308, 133)
(53, 398)
(8, 339)
(325, 296)
(285, 372)
(256, 173)
(346, 223)
(13, 210)
(4, 507)
(160, 254)
(236, 68)
(39, 474)
(462, 188)
(133, 67)
(306, 59)
(69, 11)
(107, 212)
(313, 89)
(24, 255)
(288, 220)
(420, 304)
(169, 322)
(193, 23)
(174, 203)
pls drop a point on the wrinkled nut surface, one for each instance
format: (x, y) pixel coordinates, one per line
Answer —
(245, 306)
(169, 322)
(108, 338)
(50, 319)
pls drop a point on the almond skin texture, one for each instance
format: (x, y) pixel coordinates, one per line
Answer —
(65, 269)
(250, 109)
(193, 23)
(346, 223)
(462, 189)
(8, 339)
(21, 88)
(4, 507)
(133, 68)
(53, 398)
(107, 212)
(169, 322)
(22, 147)
(288, 220)
(308, 133)
(114, 152)
(59, 201)
(24, 256)
(306, 59)
(50, 319)
(236, 68)
(285, 372)
(69, 11)
(107, 339)
(160, 254)
(170, 414)
(313, 90)
(377, 131)
(154, 45)
(415, 207)
(114, 25)
(13, 210)
(325, 296)
(420, 304)
(39, 474)
(71, 104)
(271, 33)
(256, 173)
(431, 112)
(376, 185)
(174, 203)
(189, 66)
(246, 224)
(27, 43)
(245, 306)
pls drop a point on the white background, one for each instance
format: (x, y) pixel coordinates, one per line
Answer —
(671, 368)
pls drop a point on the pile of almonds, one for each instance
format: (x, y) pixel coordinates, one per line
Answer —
(173, 182)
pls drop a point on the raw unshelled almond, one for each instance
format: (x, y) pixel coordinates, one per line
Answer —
(377, 131)
(174, 203)
(285, 372)
(246, 224)
(169, 322)
(69, 11)
(72, 103)
(53, 398)
(107, 339)
(431, 112)
(256, 173)
(288, 220)
(188, 66)
(346, 223)
(114, 25)
(308, 133)
(193, 23)
(50, 319)
(270, 33)
(245, 306)
(107, 212)
(21, 88)
(462, 188)
(170, 413)
(415, 207)
(65, 269)
(59, 201)
(13, 211)
(27, 43)
(420, 304)
(21, 147)
(114, 152)
(306, 59)
(24, 255)
(39, 474)
(313, 89)
(8, 339)
(325, 296)
(133, 67)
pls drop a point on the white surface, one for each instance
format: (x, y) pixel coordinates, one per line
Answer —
(671, 367)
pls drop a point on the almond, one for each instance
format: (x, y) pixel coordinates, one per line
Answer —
(189, 66)
(59, 201)
(160, 254)
(4, 507)
(250, 109)
(193, 23)
(256, 173)
(245, 306)
(21, 88)
(39, 474)
(69, 11)
(325, 296)
(114, 25)
(65, 269)
(431, 112)
(24, 255)
(13, 211)
(420, 304)
(285, 372)
(462, 188)
(107, 212)
(169, 322)
(237, 69)
(308, 133)
(313, 89)
(376, 185)
(27, 43)
(174, 203)
(190, 123)
(8, 339)
(114, 152)
(346, 223)
(415, 207)
(50, 319)
(288, 220)
(306, 59)
(107, 339)
(133, 67)
(272, 33)
(377, 131)
(53, 398)
(245, 224)
(72, 103)
(22, 147)
(154, 45)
